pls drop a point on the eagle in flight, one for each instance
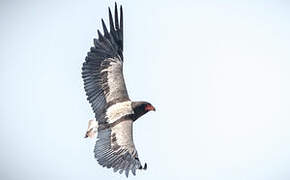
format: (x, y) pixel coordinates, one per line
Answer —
(104, 84)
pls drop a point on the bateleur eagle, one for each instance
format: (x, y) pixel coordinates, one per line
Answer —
(104, 84)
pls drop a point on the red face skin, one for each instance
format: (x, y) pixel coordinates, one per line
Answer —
(149, 107)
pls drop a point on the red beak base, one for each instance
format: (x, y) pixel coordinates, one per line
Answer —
(149, 108)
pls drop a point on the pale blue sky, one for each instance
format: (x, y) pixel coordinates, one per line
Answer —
(218, 73)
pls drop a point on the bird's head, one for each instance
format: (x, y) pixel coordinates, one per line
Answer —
(141, 107)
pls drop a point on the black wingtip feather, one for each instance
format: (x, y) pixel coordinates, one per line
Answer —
(116, 17)
(112, 29)
(101, 37)
(105, 29)
(145, 166)
(121, 20)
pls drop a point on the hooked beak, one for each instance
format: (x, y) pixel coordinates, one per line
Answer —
(150, 108)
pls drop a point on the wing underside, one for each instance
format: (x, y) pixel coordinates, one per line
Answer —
(115, 148)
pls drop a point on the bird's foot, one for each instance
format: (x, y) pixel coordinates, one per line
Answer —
(92, 129)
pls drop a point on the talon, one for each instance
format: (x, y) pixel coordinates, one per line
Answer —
(90, 133)
(92, 129)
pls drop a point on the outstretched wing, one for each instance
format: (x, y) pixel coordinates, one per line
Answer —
(102, 70)
(115, 148)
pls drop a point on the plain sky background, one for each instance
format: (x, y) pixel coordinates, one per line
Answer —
(218, 73)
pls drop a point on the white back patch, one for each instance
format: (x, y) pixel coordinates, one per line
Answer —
(118, 110)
